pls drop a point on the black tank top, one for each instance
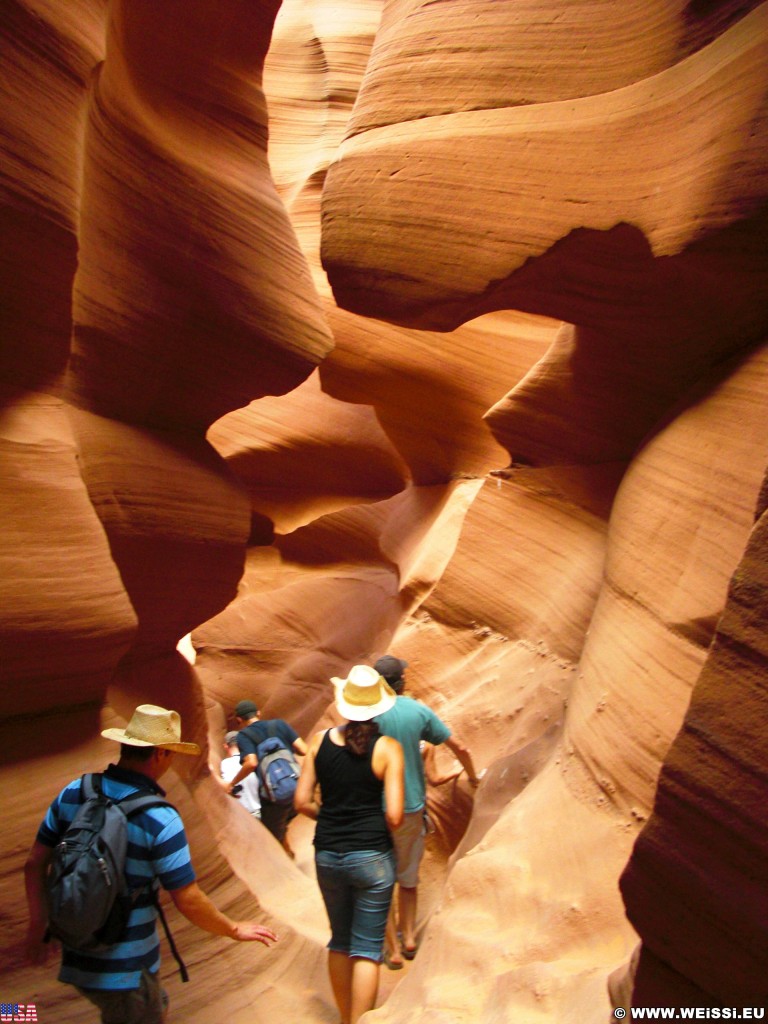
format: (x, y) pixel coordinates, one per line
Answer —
(352, 812)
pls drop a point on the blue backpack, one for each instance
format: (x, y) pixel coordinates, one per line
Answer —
(277, 770)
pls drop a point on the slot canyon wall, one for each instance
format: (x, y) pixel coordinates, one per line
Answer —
(330, 329)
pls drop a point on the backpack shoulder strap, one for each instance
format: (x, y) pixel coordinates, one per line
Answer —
(251, 736)
(90, 785)
(130, 805)
(171, 944)
(271, 734)
(140, 802)
(274, 732)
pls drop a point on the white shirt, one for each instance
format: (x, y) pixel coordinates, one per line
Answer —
(249, 794)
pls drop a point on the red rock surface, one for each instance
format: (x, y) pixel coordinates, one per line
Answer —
(469, 364)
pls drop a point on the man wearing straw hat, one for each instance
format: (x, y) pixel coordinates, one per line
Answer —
(122, 980)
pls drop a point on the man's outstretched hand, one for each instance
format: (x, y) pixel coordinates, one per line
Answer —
(249, 931)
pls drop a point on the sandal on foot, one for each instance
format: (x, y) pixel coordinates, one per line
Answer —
(393, 965)
(409, 954)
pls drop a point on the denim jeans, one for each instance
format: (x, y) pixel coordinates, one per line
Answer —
(357, 890)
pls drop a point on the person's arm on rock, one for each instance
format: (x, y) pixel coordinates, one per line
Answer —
(462, 754)
(193, 903)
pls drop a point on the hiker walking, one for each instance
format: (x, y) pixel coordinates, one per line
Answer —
(121, 976)
(247, 791)
(411, 722)
(360, 775)
(267, 748)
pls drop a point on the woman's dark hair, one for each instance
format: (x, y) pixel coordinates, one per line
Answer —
(359, 737)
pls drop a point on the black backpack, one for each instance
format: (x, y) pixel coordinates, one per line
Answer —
(277, 771)
(88, 898)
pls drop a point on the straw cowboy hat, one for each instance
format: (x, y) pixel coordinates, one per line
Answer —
(152, 726)
(363, 694)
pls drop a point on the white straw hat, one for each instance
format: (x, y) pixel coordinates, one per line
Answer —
(363, 694)
(152, 726)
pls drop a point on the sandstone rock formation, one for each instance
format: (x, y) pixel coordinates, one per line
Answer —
(470, 364)
(137, 199)
(701, 852)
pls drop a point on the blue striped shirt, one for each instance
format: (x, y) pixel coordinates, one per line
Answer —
(157, 853)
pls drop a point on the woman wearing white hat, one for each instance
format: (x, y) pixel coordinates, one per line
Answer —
(354, 766)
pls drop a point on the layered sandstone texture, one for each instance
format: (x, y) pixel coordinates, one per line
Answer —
(151, 281)
(440, 328)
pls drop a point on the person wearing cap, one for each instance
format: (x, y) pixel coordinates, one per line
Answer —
(360, 775)
(251, 732)
(411, 723)
(122, 980)
(247, 791)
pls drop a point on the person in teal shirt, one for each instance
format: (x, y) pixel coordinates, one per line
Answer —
(412, 723)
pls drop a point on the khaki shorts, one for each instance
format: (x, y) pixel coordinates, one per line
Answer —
(409, 847)
(147, 1004)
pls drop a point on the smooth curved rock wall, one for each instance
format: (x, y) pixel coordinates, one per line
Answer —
(137, 208)
(701, 854)
(632, 211)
